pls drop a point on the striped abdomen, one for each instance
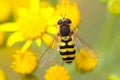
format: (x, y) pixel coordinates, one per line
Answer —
(67, 49)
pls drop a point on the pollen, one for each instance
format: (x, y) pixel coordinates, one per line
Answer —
(86, 60)
(24, 63)
(57, 73)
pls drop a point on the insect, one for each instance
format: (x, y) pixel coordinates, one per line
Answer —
(69, 43)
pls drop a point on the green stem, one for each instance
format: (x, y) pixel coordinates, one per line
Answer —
(106, 31)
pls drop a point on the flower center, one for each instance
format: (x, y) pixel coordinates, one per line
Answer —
(32, 26)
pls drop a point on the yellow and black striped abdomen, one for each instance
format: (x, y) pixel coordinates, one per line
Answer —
(67, 49)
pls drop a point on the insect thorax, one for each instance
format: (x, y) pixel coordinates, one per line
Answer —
(65, 30)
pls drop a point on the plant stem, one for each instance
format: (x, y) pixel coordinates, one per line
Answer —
(108, 26)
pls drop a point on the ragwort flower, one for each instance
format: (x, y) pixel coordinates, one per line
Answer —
(52, 25)
(57, 73)
(69, 10)
(114, 7)
(24, 62)
(31, 25)
(86, 60)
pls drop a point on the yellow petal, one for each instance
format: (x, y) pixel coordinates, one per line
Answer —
(2, 38)
(14, 38)
(45, 9)
(22, 12)
(38, 41)
(2, 75)
(9, 27)
(47, 38)
(34, 5)
(26, 45)
(5, 10)
(52, 30)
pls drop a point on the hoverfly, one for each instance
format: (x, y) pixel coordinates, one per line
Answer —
(69, 43)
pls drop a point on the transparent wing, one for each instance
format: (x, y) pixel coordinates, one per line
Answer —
(79, 44)
(50, 53)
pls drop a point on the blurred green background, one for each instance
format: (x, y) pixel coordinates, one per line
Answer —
(100, 29)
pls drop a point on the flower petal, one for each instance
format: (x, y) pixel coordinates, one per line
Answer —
(38, 41)
(26, 45)
(14, 38)
(34, 5)
(5, 10)
(22, 12)
(9, 27)
(3, 75)
(52, 30)
(47, 38)
(2, 38)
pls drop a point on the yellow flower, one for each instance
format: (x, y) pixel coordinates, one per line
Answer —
(16, 4)
(114, 7)
(46, 8)
(5, 10)
(31, 25)
(57, 73)
(69, 10)
(24, 63)
(2, 75)
(113, 77)
(86, 60)
(2, 37)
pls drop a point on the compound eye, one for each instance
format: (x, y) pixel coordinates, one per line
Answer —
(68, 21)
(59, 22)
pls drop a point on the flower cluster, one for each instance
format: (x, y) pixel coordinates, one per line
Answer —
(38, 22)
(24, 63)
(35, 20)
(34, 23)
(86, 59)
(57, 73)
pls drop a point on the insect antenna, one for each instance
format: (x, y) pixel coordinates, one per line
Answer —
(63, 16)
